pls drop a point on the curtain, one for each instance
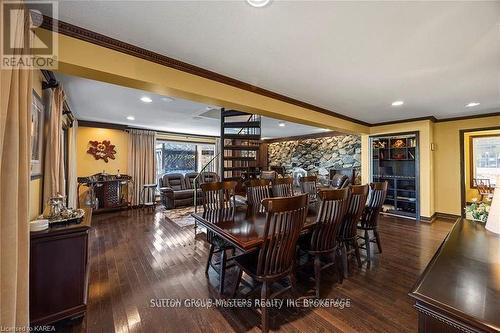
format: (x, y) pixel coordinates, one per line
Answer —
(72, 183)
(15, 151)
(141, 162)
(53, 177)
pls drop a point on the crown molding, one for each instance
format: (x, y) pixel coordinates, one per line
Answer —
(431, 118)
(123, 47)
(304, 137)
(484, 115)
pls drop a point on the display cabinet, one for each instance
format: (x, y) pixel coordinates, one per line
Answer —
(395, 160)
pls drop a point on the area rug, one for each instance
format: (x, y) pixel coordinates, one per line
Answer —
(181, 216)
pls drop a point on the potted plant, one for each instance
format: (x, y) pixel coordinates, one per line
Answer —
(478, 211)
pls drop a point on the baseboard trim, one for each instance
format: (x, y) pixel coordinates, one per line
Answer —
(426, 219)
(438, 215)
(447, 216)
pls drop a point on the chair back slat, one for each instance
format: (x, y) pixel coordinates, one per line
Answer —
(376, 199)
(284, 221)
(332, 208)
(282, 187)
(216, 216)
(357, 202)
(218, 203)
(309, 185)
(257, 190)
(483, 186)
(218, 195)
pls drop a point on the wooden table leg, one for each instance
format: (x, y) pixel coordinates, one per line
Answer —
(222, 274)
(344, 260)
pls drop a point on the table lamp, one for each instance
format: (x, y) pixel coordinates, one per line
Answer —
(493, 222)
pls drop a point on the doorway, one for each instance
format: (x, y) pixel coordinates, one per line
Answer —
(480, 166)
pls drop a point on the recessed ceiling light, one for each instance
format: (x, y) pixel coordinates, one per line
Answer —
(281, 124)
(167, 99)
(258, 3)
(131, 118)
(472, 104)
(146, 99)
(397, 103)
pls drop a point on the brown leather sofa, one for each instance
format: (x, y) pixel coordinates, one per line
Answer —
(178, 190)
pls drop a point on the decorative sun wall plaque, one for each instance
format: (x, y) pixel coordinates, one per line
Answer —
(102, 150)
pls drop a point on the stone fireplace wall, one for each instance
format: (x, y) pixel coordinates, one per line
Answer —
(317, 156)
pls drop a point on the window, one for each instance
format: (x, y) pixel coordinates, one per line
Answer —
(485, 157)
(182, 157)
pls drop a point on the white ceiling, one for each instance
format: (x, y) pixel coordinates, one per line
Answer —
(353, 58)
(103, 102)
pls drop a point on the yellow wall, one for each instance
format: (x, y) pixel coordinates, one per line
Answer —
(425, 129)
(447, 160)
(36, 185)
(87, 165)
(439, 170)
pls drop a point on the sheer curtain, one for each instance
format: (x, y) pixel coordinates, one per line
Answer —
(15, 150)
(53, 176)
(72, 152)
(141, 162)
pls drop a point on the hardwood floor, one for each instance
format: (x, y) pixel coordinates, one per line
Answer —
(139, 256)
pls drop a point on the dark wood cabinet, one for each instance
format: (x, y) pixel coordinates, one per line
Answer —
(59, 260)
(459, 290)
(395, 159)
(107, 192)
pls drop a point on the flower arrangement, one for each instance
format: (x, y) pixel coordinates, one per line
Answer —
(479, 211)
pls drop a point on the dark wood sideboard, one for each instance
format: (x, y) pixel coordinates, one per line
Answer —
(59, 260)
(459, 290)
(111, 191)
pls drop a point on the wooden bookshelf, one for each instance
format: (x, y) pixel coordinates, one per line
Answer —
(395, 160)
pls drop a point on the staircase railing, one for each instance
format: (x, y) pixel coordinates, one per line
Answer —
(195, 181)
(203, 169)
(244, 130)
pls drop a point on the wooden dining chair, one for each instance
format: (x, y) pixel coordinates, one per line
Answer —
(324, 238)
(308, 185)
(484, 189)
(218, 195)
(282, 187)
(218, 198)
(369, 218)
(349, 226)
(275, 258)
(257, 190)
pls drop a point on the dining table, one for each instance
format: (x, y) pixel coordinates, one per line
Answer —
(243, 228)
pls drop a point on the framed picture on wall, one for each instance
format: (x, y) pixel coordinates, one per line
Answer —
(37, 115)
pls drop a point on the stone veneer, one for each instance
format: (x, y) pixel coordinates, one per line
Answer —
(317, 156)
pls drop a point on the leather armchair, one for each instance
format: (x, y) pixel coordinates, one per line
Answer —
(339, 181)
(268, 175)
(177, 190)
(209, 177)
(173, 191)
(189, 179)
